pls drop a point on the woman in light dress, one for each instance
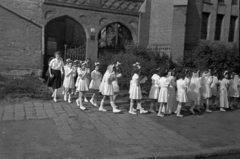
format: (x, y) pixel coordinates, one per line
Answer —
(163, 94)
(206, 89)
(135, 90)
(95, 83)
(214, 89)
(154, 91)
(187, 77)
(233, 90)
(69, 82)
(81, 84)
(106, 88)
(223, 97)
(182, 98)
(115, 82)
(172, 102)
(194, 96)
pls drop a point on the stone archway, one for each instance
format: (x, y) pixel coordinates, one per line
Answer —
(63, 34)
(113, 37)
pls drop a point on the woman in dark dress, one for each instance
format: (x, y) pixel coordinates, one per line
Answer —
(55, 78)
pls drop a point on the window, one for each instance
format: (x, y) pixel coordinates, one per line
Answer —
(232, 28)
(221, 1)
(204, 29)
(218, 28)
(234, 2)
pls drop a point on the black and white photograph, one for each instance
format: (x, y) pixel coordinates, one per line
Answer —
(119, 79)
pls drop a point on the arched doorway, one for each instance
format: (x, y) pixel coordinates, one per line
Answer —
(66, 35)
(113, 37)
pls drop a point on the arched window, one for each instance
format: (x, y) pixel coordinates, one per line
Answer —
(113, 37)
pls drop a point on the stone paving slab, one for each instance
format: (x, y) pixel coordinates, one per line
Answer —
(145, 138)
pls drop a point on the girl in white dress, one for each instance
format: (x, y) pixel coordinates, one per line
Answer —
(95, 83)
(163, 94)
(154, 91)
(106, 88)
(88, 76)
(214, 89)
(82, 86)
(182, 98)
(79, 67)
(233, 90)
(65, 67)
(115, 82)
(68, 83)
(207, 80)
(172, 102)
(135, 90)
(194, 92)
(223, 97)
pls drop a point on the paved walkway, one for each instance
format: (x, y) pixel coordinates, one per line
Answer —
(145, 137)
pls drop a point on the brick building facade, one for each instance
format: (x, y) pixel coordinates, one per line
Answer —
(31, 30)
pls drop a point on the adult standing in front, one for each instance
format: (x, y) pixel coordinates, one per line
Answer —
(56, 65)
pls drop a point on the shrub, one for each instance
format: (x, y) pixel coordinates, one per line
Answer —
(214, 56)
(149, 62)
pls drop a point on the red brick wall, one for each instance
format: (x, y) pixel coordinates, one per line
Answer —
(193, 24)
(161, 22)
(20, 42)
(145, 25)
(178, 32)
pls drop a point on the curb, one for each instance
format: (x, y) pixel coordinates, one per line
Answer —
(204, 153)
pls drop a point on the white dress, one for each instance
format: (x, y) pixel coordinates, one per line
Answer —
(214, 86)
(206, 89)
(69, 80)
(233, 89)
(172, 102)
(115, 82)
(106, 87)
(135, 89)
(182, 91)
(96, 80)
(82, 82)
(154, 91)
(223, 97)
(163, 94)
(194, 89)
(87, 75)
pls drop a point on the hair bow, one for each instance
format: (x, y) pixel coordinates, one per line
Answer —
(97, 63)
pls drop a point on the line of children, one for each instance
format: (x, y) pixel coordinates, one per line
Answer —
(168, 95)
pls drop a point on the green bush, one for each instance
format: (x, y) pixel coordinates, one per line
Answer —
(28, 86)
(149, 62)
(214, 56)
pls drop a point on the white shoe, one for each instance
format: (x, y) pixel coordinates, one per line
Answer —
(77, 102)
(55, 100)
(116, 111)
(222, 110)
(102, 110)
(208, 111)
(69, 101)
(143, 111)
(82, 107)
(85, 100)
(133, 109)
(160, 115)
(132, 112)
(179, 116)
(151, 111)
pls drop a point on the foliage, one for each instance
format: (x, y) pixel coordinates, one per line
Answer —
(149, 63)
(214, 56)
(28, 86)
